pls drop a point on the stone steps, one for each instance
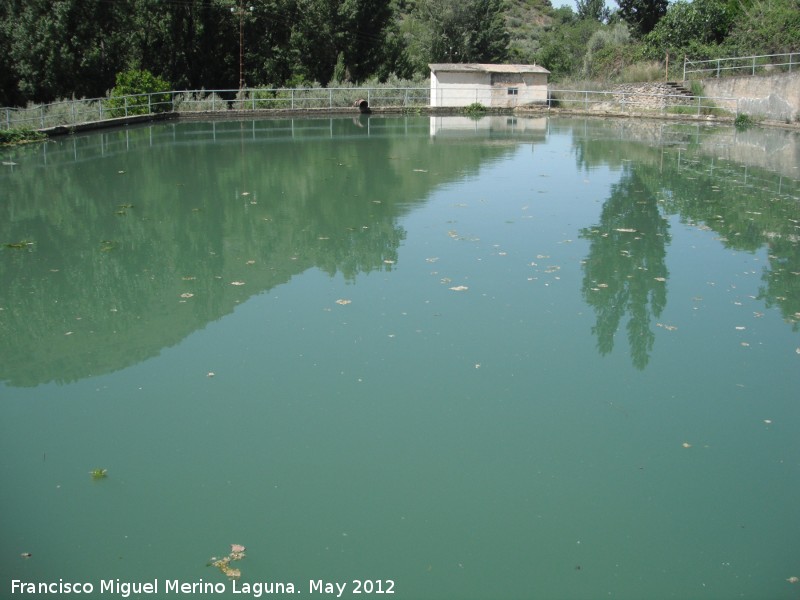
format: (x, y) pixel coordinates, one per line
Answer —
(678, 88)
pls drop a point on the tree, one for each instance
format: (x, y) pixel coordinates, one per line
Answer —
(465, 31)
(642, 15)
(64, 47)
(688, 24)
(592, 9)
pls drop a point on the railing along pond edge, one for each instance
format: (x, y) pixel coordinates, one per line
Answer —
(66, 116)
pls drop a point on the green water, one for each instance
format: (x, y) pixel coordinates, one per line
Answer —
(509, 358)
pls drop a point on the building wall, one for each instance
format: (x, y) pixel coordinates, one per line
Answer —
(489, 89)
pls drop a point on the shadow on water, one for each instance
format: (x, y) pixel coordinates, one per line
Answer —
(119, 244)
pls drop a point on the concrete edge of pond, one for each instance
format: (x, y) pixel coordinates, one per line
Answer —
(376, 111)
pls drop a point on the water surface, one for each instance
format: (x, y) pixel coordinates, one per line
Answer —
(506, 358)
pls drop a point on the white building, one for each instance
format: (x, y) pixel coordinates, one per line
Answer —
(504, 86)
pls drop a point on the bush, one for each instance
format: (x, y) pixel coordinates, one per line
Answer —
(743, 122)
(131, 94)
(476, 109)
(19, 136)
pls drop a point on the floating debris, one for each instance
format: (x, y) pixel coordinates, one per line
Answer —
(459, 288)
(210, 374)
(19, 245)
(98, 473)
(793, 579)
(187, 295)
(342, 301)
(223, 564)
(237, 282)
(26, 555)
(625, 230)
(686, 445)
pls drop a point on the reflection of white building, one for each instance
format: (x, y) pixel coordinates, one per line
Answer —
(455, 127)
(503, 86)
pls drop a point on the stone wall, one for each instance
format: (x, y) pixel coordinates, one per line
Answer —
(775, 97)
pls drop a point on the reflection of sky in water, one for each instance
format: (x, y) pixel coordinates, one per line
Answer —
(467, 444)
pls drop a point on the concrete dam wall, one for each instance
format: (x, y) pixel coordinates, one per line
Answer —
(775, 97)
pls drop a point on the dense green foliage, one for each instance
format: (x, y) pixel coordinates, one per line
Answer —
(18, 136)
(138, 83)
(61, 48)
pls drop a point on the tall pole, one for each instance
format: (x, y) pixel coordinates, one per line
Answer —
(241, 44)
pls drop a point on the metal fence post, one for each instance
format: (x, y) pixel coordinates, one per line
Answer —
(717, 67)
(330, 98)
(292, 98)
(41, 110)
(754, 65)
(8, 119)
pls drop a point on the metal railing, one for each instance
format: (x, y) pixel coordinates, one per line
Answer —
(747, 65)
(74, 112)
(68, 113)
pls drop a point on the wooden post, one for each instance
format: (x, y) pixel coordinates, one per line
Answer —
(666, 69)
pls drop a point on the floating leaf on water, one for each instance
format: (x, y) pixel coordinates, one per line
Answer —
(342, 301)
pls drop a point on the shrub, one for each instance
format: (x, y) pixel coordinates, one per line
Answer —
(19, 136)
(743, 122)
(476, 109)
(130, 95)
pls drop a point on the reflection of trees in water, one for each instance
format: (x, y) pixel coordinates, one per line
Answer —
(748, 207)
(119, 238)
(625, 272)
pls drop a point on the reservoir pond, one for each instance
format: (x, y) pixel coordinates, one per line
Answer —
(511, 357)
